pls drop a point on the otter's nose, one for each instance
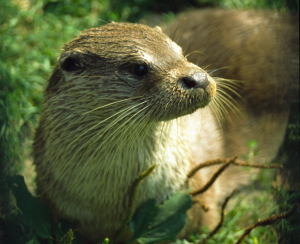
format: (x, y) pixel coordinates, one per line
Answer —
(197, 80)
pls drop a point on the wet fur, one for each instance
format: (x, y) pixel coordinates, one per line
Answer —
(101, 126)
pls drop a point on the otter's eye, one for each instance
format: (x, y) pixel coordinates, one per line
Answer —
(70, 64)
(140, 70)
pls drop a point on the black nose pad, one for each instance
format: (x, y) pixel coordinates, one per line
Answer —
(197, 80)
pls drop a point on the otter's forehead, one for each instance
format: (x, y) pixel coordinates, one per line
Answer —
(125, 39)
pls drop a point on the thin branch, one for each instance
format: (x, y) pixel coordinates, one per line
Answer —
(135, 185)
(211, 234)
(267, 221)
(213, 178)
(207, 164)
(132, 197)
(261, 166)
(236, 162)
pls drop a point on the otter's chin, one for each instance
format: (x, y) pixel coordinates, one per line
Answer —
(181, 109)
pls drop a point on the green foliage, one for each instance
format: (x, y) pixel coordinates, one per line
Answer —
(30, 43)
(152, 223)
(289, 229)
(33, 241)
(106, 241)
(283, 5)
(9, 118)
(133, 10)
(38, 216)
(245, 210)
(253, 151)
(75, 8)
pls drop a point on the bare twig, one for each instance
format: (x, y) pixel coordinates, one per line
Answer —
(206, 164)
(261, 166)
(213, 178)
(135, 185)
(211, 234)
(267, 221)
(133, 192)
(236, 162)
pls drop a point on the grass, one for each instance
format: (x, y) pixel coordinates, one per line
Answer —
(244, 209)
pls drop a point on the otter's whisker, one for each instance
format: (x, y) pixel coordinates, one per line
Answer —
(218, 109)
(213, 71)
(82, 146)
(216, 113)
(116, 120)
(224, 95)
(229, 88)
(186, 56)
(223, 110)
(102, 121)
(109, 104)
(236, 83)
(114, 137)
(131, 140)
(230, 103)
(132, 122)
(135, 107)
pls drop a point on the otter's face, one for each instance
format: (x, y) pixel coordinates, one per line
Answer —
(135, 64)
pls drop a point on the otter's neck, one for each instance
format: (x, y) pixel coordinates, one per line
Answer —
(103, 156)
(133, 151)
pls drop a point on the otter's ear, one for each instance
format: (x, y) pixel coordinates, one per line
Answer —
(71, 61)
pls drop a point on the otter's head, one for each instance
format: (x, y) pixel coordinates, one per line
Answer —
(134, 65)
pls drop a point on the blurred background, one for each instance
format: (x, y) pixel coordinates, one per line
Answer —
(32, 34)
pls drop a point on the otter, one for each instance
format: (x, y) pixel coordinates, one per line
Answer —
(259, 48)
(121, 98)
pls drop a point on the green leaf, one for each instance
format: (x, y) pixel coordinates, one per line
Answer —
(152, 223)
(37, 213)
(106, 241)
(33, 241)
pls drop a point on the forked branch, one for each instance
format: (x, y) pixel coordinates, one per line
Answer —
(267, 221)
(213, 178)
(235, 162)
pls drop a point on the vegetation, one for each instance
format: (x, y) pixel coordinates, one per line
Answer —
(31, 35)
(150, 223)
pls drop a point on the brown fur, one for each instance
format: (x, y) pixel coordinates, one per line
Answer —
(260, 48)
(101, 126)
(85, 169)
